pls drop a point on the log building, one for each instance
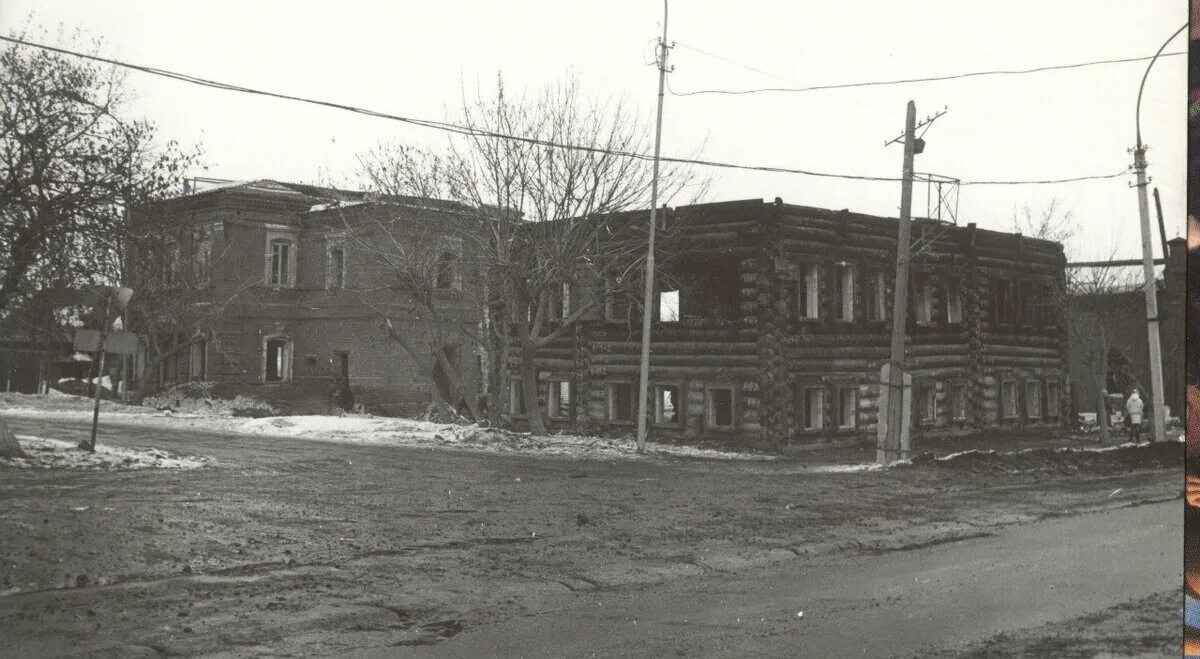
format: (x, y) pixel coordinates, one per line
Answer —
(774, 319)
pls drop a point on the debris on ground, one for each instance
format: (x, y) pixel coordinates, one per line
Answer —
(201, 398)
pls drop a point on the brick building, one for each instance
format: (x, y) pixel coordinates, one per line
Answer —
(775, 322)
(1121, 312)
(287, 295)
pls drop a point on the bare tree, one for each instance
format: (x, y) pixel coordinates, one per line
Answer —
(182, 290)
(1092, 298)
(1097, 328)
(542, 215)
(1052, 222)
(416, 278)
(72, 164)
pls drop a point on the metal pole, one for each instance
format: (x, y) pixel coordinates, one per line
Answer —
(99, 372)
(1151, 289)
(648, 298)
(1157, 418)
(891, 451)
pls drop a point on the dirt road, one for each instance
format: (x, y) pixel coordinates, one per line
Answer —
(898, 604)
(297, 547)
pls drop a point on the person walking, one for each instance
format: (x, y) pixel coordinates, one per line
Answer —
(1134, 407)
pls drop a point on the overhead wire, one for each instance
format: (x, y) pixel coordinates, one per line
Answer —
(902, 81)
(472, 131)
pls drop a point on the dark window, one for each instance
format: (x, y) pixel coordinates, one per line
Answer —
(847, 407)
(616, 306)
(927, 403)
(446, 277)
(844, 292)
(281, 255)
(957, 395)
(337, 268)
(720, 407)
(923, 297)
(1002, 303)
(875, 296)
(811, 401)
(620, 402)
(1052, 400)
(277, 350)
(1008, 399)
(808, 300)
(1030, 304)
(953, 301)
(1033, 399)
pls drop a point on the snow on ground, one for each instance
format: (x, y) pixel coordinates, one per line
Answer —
(360, 429)
(365, 429)
(45, 453)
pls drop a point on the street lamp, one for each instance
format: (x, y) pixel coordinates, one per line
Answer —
(1158, 418)
(121, 296)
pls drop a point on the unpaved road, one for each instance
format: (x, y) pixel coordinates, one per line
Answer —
(309, 548)
(898, 604)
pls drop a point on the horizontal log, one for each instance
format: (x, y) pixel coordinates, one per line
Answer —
(659, 346)
(665, 373)
(717, 361)
(1015, 362)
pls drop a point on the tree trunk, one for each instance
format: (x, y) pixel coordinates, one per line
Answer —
(529, 388)
(1102, 380)
(9, 447)
(498, 385)
(455, 389)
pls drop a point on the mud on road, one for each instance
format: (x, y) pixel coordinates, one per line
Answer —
(290, 546)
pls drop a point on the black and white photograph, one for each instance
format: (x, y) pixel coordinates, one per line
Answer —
(639, 328)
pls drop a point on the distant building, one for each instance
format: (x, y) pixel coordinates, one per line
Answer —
(776, 319)
(285, 297)
(1123, 313)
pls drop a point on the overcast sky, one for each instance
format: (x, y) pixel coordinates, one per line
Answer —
(411, 58)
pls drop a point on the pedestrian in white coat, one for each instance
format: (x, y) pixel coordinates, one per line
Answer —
(1133, 415)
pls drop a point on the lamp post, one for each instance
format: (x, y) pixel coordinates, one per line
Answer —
(110, 294)
(1158, 418)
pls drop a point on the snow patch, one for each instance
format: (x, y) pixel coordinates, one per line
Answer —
(46, 453)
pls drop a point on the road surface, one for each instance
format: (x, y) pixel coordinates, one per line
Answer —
(897, 604)
(295, 547)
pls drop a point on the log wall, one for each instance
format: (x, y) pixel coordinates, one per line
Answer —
(770, 357)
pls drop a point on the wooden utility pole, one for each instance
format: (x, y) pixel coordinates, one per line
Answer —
(892, 420)
(648, 299)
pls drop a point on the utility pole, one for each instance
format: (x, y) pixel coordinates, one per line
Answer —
(1150, 287)
(91, 447)
(648, 298)
(1162, 228)
(1157, 415)
(890, 446)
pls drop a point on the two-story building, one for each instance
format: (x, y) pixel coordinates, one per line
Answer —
(776, 318)
(287, 290)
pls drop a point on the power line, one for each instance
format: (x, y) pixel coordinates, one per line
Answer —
(734, 62)
(477, 132)
(882, 83)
